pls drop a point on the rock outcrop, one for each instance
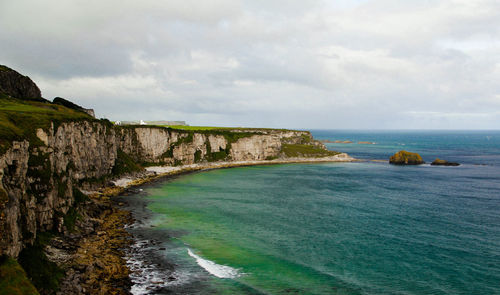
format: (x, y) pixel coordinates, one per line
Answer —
(439, 162)
(74, 106)
(406, 158)
(16, 85)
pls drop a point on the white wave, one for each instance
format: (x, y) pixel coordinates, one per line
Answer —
(220, 271)
(148, 277)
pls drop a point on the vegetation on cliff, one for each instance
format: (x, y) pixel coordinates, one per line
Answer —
(216, 128)
(406, 158)
(13, 279)
(308, 151)
(43, 273)
(125, 164)
(19, 119)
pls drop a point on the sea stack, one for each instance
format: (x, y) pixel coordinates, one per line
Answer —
(406, 158)
(439, 162)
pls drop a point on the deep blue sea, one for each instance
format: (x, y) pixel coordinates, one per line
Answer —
(340, 228)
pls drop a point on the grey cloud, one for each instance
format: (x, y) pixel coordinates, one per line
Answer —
(297, 64)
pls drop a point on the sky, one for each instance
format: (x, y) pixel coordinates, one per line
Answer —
(306, 64)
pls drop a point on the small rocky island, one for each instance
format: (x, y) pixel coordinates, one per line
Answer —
(406, 158)
(439, 162)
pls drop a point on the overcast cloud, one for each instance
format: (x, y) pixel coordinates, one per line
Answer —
(294, 63)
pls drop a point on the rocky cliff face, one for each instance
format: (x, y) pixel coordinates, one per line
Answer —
(16, 85)
(37, 178)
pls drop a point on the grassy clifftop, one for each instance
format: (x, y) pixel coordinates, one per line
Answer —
(215, 128)
(19, 119)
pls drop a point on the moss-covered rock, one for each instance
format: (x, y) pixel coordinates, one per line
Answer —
(439, 162)
(406, 158)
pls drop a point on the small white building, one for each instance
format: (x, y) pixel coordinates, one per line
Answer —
(143, 123)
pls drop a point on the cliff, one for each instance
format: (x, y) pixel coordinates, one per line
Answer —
(37, 179)
(50, 151)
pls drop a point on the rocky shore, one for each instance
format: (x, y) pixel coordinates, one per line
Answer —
(104, 258)
(91, 256)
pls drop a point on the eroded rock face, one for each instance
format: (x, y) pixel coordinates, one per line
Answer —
(38, 180)
(257, 147)
(217, 143)
(16, 85)
(153, 142)
(13, 169)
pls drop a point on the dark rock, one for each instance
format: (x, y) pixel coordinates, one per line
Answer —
(16, 85)
(406, 158)
(74, 106)
(439, 162)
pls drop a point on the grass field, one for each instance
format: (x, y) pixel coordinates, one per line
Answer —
(209, 128)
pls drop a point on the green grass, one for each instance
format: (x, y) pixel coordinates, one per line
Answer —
(303, 150)
(13, 279)
(193, 128)
(210, 128)
(44, 274)
(19, 119)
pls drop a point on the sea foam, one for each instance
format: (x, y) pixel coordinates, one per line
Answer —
(220, 271)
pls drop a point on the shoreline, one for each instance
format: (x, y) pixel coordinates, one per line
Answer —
(108, 253)
(158, 172)
(138, 245)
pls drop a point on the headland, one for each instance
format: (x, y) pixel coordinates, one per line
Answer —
(60, 169)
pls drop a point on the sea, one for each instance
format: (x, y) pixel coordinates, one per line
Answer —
(365, 227)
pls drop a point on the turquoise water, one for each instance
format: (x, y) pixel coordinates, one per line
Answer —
(344, 228)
